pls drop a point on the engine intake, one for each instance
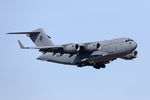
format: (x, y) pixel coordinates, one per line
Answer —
(131, 56)
(92, 47)
(71, 48)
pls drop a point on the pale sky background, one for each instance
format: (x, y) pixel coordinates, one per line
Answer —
(22, 77)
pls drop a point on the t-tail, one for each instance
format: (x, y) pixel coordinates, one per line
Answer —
(38, 36)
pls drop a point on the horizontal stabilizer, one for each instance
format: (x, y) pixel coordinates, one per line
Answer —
(24, 33)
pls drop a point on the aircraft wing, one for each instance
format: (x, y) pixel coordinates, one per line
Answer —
(66, 48)
(41, 48)
(90, 57)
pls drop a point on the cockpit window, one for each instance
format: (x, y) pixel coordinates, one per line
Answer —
(128, 40)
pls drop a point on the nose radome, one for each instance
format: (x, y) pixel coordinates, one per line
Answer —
(134, 45)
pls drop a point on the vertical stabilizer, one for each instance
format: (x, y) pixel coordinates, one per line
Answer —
(40, 38)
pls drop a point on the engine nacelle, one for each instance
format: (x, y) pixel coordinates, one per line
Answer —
(71, 48)
(131, 56)
(92, 47)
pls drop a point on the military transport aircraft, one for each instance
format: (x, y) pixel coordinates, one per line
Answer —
(95, 54)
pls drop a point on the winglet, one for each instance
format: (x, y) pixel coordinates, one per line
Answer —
(21, 45)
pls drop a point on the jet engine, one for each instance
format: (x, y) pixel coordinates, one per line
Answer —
(71, 48)
(92, 47)
(131, 56)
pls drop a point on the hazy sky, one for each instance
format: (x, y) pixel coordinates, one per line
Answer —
(22, 77)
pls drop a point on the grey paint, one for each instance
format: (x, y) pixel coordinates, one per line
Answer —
(109, 50)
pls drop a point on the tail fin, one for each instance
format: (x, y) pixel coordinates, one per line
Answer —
(39, 37)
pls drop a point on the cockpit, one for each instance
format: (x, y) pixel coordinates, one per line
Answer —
(128, 40)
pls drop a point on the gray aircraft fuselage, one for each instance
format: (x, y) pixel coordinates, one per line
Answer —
(113, 49)
(95, 54)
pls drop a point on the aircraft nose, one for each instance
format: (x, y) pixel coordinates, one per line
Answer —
(134, 45)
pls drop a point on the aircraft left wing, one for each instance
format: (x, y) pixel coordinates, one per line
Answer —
(70, 48)
(67, 48)
(40, 47)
